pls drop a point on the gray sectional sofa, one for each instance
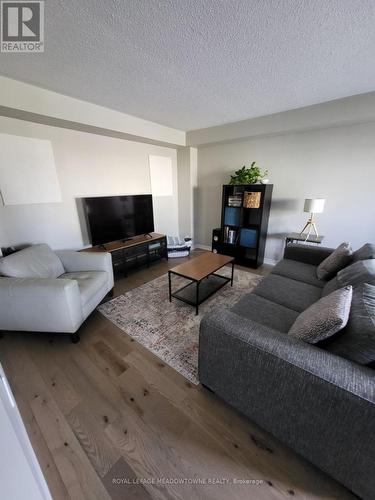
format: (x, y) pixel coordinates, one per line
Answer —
(322, 405)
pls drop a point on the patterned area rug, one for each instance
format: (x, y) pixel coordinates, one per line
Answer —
(171, 329)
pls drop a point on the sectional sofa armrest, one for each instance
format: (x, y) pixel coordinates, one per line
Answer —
(40, 304)
(322, 405)
(307, 253)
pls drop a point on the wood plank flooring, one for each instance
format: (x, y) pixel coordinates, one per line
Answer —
(108, 419)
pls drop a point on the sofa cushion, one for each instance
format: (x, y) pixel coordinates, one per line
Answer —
(362, 271)
(367, 251)
(324, 318)
(298, 271)
(89, 282)
(37, 261)
(265, 312)
(309, 254)
(330, 286)
(357, 341)
(338, 259)
(287, 292)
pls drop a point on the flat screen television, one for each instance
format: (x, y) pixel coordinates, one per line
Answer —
(112, 218)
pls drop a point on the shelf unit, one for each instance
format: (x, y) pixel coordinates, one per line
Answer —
(244, 230)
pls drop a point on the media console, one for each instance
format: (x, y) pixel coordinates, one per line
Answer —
(135, 252)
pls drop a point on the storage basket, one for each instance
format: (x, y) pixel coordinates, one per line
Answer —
(252, 199)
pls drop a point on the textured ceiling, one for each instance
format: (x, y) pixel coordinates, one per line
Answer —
(195, 63)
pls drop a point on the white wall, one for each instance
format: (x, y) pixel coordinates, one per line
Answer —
(87, 165)
(4, 242)
(336, 163)
(187, 159)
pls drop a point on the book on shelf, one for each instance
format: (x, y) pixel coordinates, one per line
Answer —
(230, 235)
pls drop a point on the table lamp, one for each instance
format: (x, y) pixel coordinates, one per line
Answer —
(312, 206)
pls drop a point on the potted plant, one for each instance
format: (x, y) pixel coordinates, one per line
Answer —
(250, 175)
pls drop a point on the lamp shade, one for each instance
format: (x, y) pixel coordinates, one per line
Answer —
(314, 205)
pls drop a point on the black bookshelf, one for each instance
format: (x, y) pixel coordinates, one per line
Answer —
(244, 230)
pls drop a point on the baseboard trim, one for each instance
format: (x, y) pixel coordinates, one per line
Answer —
(203, 247)
(270, 262)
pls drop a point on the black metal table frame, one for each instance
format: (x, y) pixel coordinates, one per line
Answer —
(197, 302)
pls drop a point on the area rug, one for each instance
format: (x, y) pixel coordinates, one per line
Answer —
(171, 329)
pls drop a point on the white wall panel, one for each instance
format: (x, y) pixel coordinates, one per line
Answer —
(27, 171)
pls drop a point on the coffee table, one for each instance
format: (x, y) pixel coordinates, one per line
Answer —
(201, 271)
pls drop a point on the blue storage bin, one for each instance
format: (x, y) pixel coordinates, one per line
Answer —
(249, 238)
(232, 216)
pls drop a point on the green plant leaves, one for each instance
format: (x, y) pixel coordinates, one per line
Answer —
(250, 175)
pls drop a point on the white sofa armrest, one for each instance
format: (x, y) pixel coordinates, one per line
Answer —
(87, 261)
(40, 305)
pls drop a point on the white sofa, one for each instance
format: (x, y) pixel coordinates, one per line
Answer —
(46, 291)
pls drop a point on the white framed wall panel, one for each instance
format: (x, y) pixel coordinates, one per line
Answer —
(161, 175)
(27, 171)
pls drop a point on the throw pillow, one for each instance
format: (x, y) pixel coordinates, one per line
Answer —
(324, 318)
(366, 252)
(338, 259)
(37, 261)
(358, 273)
(357, 341)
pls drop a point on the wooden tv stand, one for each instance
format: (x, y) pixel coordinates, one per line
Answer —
(135, 252)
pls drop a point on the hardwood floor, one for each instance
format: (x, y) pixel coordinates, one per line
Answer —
(108, 419)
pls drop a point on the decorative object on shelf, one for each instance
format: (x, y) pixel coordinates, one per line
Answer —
(235, 201)
(312, 206)
(225, 233)
(231, 236)
(252, 199)
(250, 175)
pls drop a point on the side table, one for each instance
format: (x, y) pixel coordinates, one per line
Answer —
(303, 238)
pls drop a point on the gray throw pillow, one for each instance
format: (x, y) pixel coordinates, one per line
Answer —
(323, 319)
(357, 341)
(358, 273)
(367, 251)
(338, 259)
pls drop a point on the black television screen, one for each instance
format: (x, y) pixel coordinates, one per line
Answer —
(112, 218)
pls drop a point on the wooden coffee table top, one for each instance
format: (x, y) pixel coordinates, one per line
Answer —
(200, 267)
